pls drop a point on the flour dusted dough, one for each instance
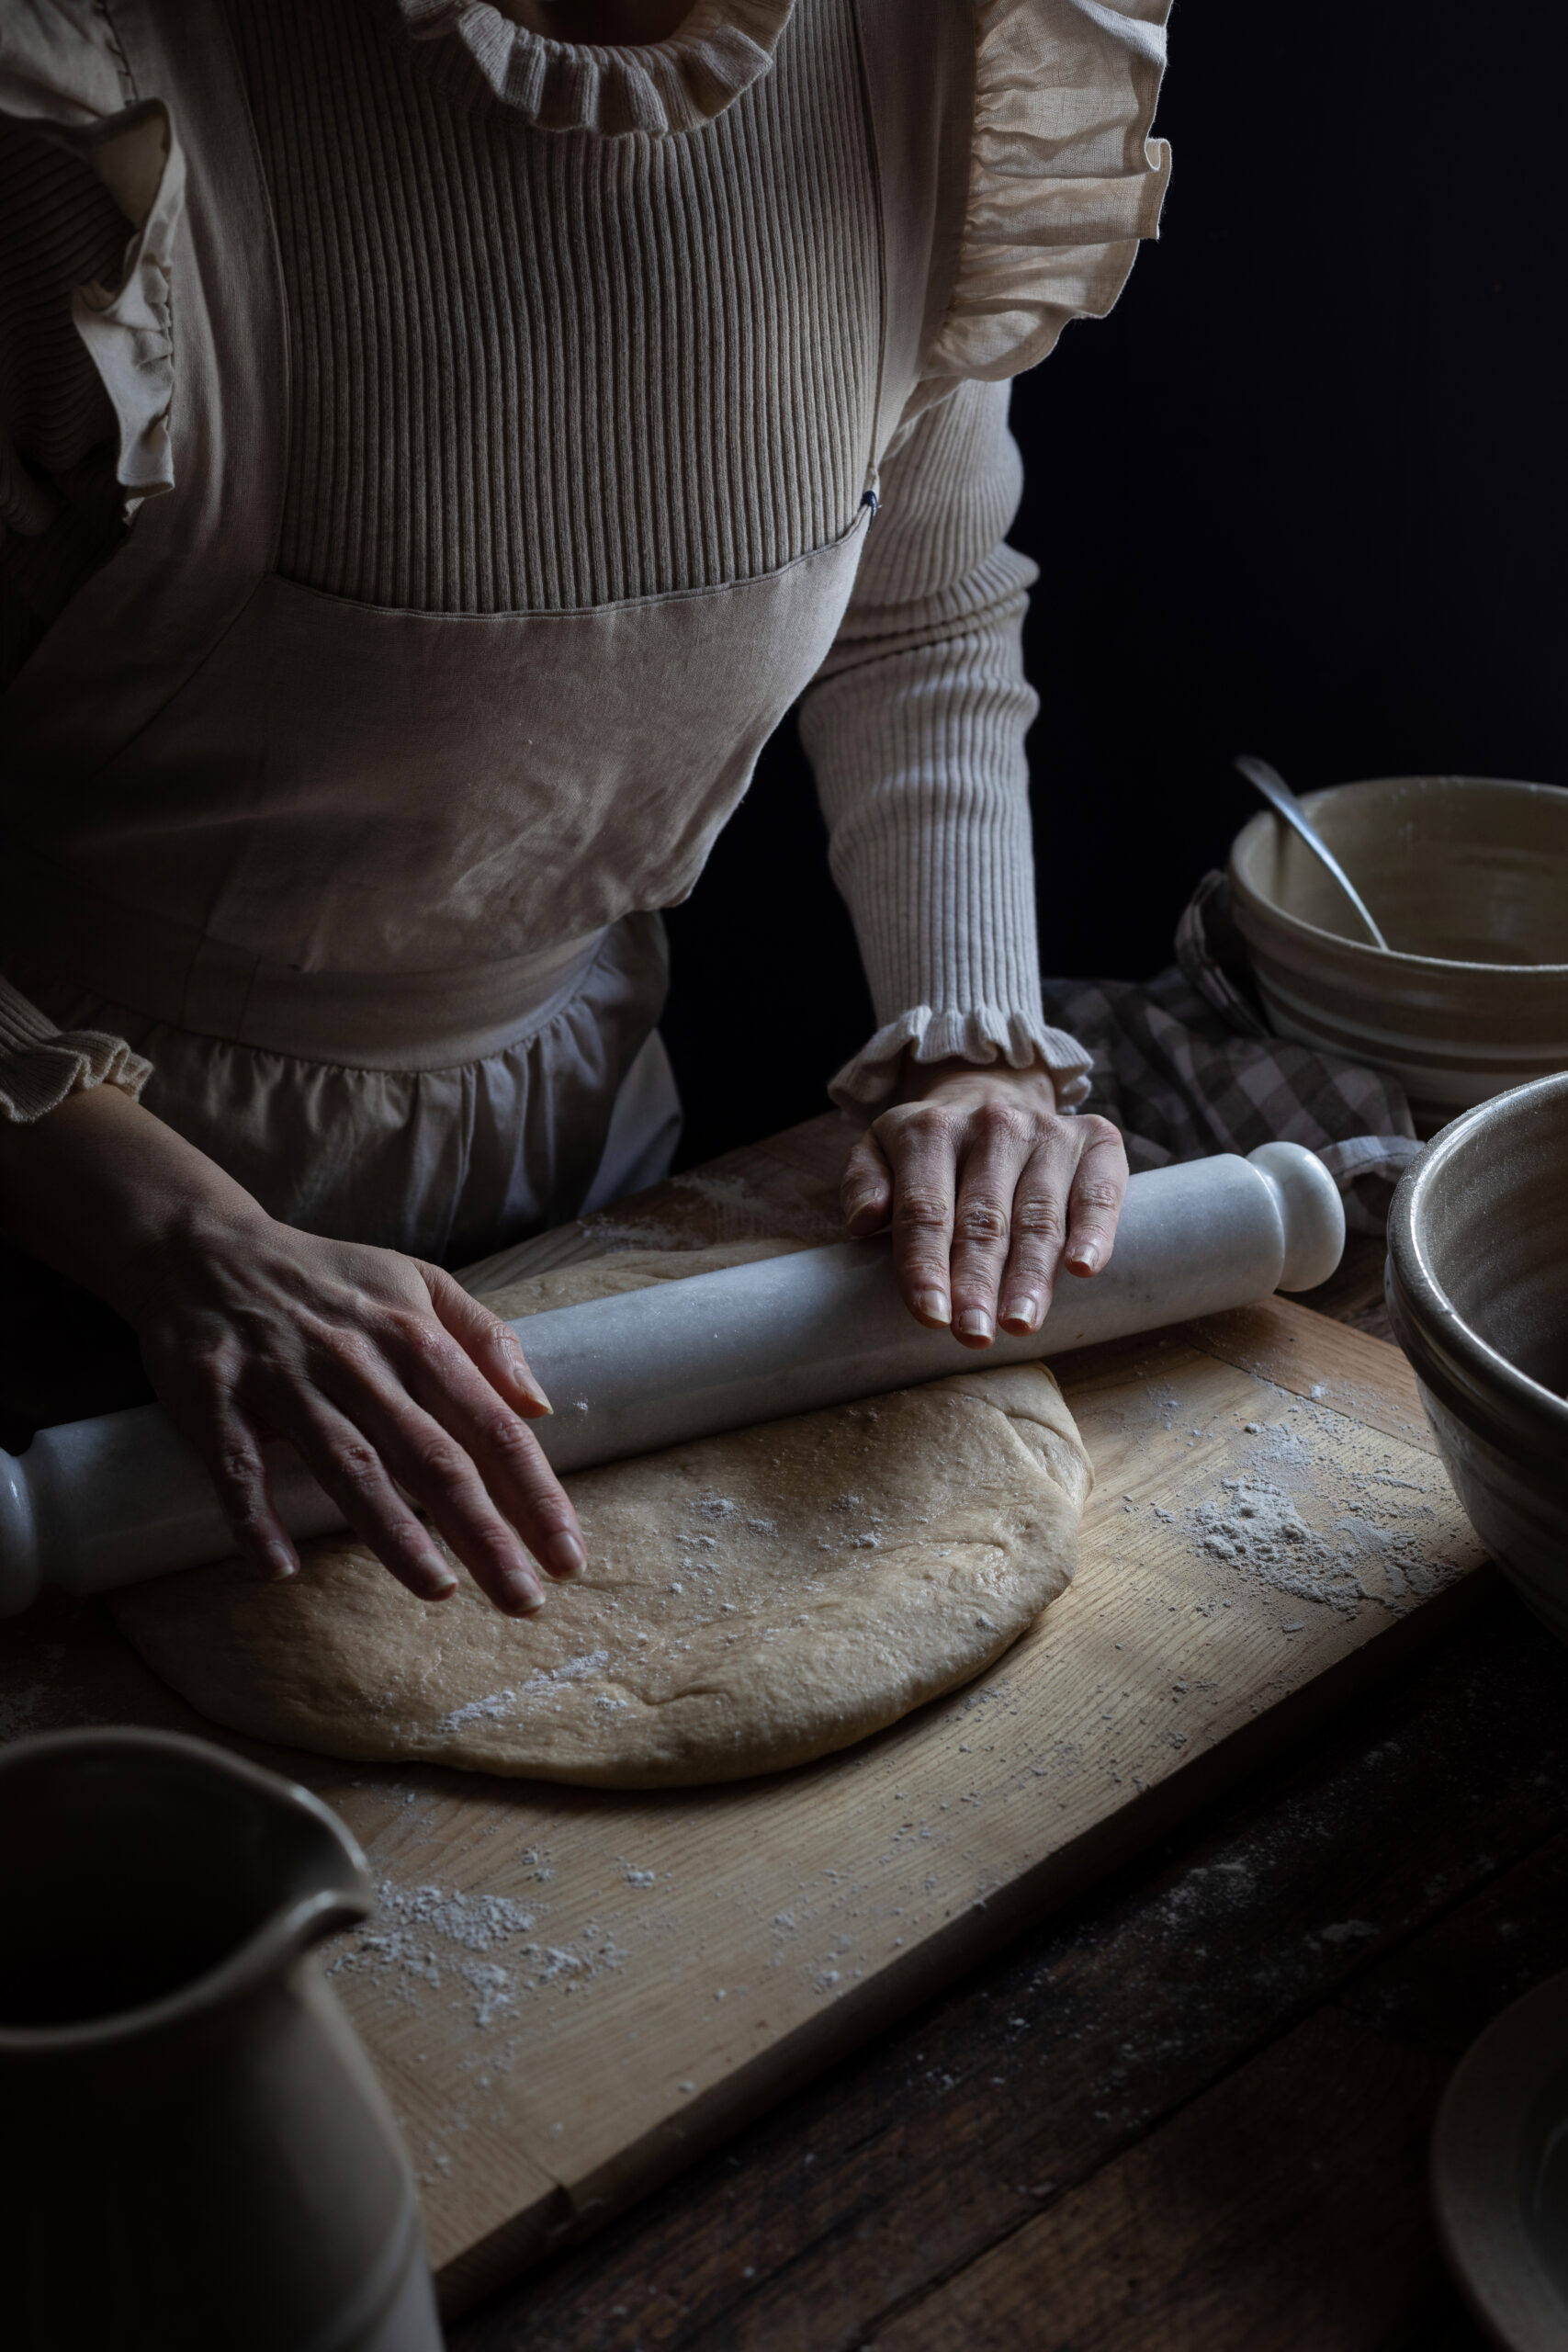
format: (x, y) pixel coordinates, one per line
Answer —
(752, 1601)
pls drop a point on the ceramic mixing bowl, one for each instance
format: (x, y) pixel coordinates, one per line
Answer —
(1467, 878)
(1478, 1296)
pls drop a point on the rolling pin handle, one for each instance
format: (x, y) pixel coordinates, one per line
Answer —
(1311, 1212)
(21, 1546)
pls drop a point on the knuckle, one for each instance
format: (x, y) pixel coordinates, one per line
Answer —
(938, 1121)
(399, 1533)
(1039, 1219)
(548, 1507)
(509, 1440)
(997, 1123)
(1099, 1130)
(212, 1362)
(914, 1123)
(981, 1221)
(918, 1211)
(345, 1348)
(353, 1460)
(1093, 1192)
(422, 1339)
(445, 1464)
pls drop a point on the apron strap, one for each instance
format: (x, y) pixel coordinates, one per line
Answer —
(921, 93)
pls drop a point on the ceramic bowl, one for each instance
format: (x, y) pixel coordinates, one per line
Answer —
(1467, 876)
(1500, 2172)
(1478, 1296)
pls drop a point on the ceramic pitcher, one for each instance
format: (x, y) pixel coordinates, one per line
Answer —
(194, 2150)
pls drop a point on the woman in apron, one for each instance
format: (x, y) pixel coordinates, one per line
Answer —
(444, 440)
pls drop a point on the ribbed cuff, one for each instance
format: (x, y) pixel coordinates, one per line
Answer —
(40, 1065)
(984, 1036)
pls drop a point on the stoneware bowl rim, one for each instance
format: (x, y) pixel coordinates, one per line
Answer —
(1375, 957)
(1480, 2141)
(1429, 1317)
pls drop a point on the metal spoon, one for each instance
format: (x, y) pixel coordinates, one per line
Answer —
(1277, 793)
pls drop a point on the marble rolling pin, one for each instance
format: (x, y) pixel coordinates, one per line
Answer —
(109, 1501)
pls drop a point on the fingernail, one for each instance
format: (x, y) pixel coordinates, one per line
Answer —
(1085, 1257)
(440, 1581)
(934, 1306)
(564, 1555)
(520, 1596)
(278, 1563)
(1021, 1315)
(974, 1323)
(537, 1400)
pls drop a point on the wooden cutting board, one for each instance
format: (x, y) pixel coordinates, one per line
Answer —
(569, 1992)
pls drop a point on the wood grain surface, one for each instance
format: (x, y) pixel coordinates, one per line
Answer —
(1398, 1878)
(570, 1993)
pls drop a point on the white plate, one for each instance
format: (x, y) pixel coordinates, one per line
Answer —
(1500, 2172)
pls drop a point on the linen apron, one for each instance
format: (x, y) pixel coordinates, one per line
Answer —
(377, 890)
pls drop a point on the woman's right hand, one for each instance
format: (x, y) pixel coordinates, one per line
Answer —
(380, 1370)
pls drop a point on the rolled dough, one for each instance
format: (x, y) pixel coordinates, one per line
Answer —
(752, 1601)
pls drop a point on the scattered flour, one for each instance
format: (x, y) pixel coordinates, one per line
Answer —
(1260, 1530)
(501, 1704)
(1346, 1931)
(475, 1921)
(498, 1706)
(1318, 1528)
(574, 1670)
(397, 1950)
(492, 1988)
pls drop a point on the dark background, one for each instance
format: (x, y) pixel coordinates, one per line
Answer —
(1302, 493)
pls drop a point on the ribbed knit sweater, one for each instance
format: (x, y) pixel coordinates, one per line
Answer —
(537, 370)
(541, 369)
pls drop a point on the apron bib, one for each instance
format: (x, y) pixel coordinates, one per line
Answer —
(376, 889)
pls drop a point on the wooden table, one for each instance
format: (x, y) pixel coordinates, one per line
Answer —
(1189, 2111)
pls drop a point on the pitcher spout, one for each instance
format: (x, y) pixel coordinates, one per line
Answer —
(174, 2064)
(153, 1879)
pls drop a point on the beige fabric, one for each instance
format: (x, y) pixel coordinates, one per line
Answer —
(656, 88)
(922, 766)
(43, 1063)
(917, 744)
(350, 790)
(442, 1161)
(513, 425)
(1064, 181)
(752, 1601)
(59, 69)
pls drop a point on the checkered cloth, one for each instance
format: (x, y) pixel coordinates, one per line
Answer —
(1186, 1065)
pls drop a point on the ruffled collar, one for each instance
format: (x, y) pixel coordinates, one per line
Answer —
(723, 46)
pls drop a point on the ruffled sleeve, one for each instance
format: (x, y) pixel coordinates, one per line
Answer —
(1063, 177)
(63, 75)
(60, 72)
(127, 325)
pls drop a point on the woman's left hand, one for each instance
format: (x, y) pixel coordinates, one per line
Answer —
(987, 1189)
